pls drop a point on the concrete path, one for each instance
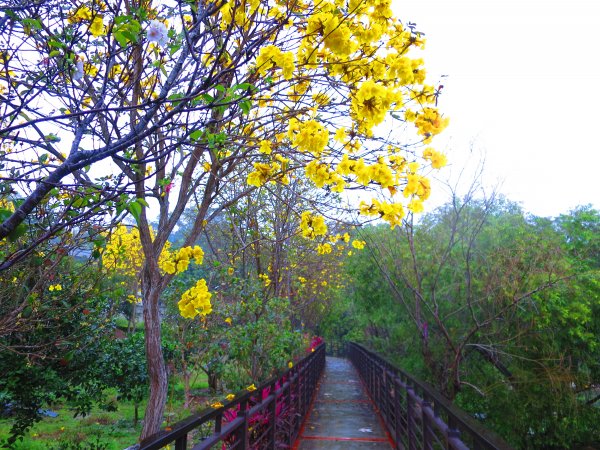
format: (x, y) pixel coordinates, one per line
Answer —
(342, 416)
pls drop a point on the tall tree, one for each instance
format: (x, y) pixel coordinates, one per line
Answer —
(179, 102)
(497, 308)
(461, 274)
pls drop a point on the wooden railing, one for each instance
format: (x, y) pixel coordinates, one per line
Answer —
(266, 418)
(415, 414)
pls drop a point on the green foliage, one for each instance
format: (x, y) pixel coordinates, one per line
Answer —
(126, 30)
(496, 308)
(260, 341)
(54, 351)
(17, 232)
(70, 445)
(124, 366)
(535, 414)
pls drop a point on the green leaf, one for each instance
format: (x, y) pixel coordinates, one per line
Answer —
(52, 43)
(141, 13)
(164, 181)
(196, 135)
(120, 208)
(246, 106)
(80, 202)
(17, 232)
(242, 87)
(135, 209)
(51, 138)
(122, 19)
(173, 49)
(4, 214)
(120, 38)
(175, 98)
(32, 23)
(100, 241)
(131, 37)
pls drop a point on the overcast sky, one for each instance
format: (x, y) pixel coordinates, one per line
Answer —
(523, 88)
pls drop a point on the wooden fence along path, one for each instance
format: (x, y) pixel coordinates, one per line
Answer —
(332, 403)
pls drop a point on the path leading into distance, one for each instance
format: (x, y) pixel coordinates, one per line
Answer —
(342, 415)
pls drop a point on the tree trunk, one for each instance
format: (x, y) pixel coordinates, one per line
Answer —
(213, 380)
(157, 370)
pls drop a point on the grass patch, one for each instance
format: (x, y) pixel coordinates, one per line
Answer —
(198, 382)
(101, 429)
(114, 429)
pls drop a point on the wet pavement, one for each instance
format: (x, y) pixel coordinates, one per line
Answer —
(342, 416)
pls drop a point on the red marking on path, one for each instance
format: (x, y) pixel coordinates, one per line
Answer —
(343, 401)
(340, 438)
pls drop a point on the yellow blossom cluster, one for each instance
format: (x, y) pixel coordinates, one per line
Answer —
(372, 77)
(321, 174)
(265, 147)
(379, 172)
(179, 260)
(312, 225)
(417, 185)
(335, 35)
(332, 247)
(270, 57)
(415, 205)
(359, 245)
(429, 122)
(324, 249)
(264, 172)
(265, 279)
(84, 14)
(241, 14)
(133, 299)
(311, 136)
(124, 253)
(437, 159)
(407, 70)
(195, 301)
(371, 103)
(7, 205)
(393, 213)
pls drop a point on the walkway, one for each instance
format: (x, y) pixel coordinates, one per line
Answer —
(342, 416)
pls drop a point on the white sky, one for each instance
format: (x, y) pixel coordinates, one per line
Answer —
(523, 87)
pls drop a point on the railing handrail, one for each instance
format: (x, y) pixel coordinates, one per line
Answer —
(247, 404)
(432, 403)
